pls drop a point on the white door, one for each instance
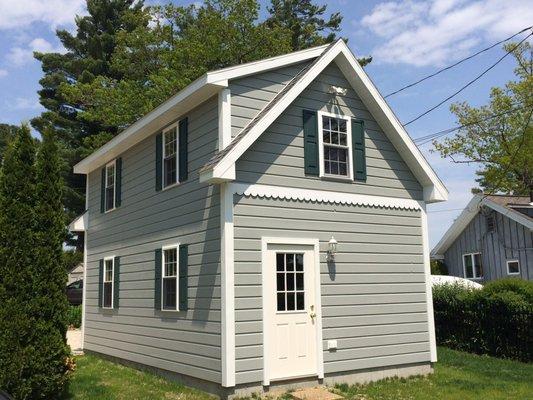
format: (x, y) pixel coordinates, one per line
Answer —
(291, 324)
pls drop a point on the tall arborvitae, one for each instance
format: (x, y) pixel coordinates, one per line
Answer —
(17, 256)
(50, 357)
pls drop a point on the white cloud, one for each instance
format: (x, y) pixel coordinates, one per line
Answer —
(24, 55)
(20, 14)
(435, 32)
(3, 73)
(24, 103)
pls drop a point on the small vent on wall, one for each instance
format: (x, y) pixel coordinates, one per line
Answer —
(489, 220)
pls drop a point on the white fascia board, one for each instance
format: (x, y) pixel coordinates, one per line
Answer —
(80, 223)
(514, 215)
(255, 67)
(233, 155)
(322, 196)
(434, 189)
(190, 97)
(460, 223)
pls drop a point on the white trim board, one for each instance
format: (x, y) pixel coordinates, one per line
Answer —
(468, 214)
(434, 189)
(280, 192)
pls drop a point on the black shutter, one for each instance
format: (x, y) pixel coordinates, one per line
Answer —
(102, 192)
(100, 282)
(358, 150)
(310, 142)
(183, 149)
(159, 162)
(116, 282)
(118, 182)
(183, 278)
(157, 280)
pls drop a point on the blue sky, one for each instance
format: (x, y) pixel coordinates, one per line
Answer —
(408, 39)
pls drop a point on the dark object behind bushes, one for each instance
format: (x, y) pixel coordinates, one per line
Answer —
(496, 320)
(74, 316)
(438, 267)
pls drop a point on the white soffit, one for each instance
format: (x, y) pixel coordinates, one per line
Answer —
(322, 196)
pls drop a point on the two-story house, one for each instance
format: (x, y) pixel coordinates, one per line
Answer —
(265, 225)
(491, 239)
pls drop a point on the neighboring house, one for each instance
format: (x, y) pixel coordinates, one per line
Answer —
(75, 274)
(491, 239)
(210, 220)
(77, 226)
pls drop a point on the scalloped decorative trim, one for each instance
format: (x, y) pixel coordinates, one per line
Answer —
(323, 196)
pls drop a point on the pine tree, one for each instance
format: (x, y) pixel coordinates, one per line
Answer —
(50, 356)
(88, 55)
(7, 133)
(17, 223)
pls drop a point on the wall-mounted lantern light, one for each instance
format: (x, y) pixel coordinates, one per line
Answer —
(332, 249)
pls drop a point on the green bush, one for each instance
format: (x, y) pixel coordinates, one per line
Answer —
(496, 320)
(438, 267)
(74, 316)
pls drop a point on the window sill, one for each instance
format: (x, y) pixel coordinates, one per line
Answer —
(111, 209)
(513, 273)
(170, 311)
(336, 178)
(170, 186)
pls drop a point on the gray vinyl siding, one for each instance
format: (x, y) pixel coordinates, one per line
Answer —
(277, 157)
(373, 296)
(251, 94)
(186, 342)
(509, 241)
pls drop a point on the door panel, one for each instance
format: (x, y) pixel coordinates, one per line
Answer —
(289, 309)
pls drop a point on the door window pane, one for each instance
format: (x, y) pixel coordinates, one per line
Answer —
(290, 282)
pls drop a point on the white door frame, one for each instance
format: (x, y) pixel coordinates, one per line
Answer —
(267, 324)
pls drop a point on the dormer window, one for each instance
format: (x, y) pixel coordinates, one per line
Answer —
(335, 151)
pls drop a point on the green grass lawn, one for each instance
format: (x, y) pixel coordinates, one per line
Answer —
(458, 375)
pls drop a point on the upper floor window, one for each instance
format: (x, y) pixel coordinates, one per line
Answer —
(170, 157)
(110, 181)
(513, 267)
(107, 299)
(335, 145)
(472, 266)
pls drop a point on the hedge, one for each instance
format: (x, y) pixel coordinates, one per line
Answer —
(496, 320)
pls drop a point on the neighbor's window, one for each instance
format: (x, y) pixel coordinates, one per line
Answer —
(472, 266)
(170, 157)
(108, 283)
(335, 142)
(110, 172)
(170, 278)
(513, 267)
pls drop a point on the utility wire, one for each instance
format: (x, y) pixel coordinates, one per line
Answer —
(469, 83)
(456, 63)
(420, 141)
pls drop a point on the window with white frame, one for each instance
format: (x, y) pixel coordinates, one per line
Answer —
(170, 278)
(473, 269)
(513, 267)
(170, 157)
(110, 183)
(335, 145)
(107, 293)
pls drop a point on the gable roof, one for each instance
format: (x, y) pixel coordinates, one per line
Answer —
(503, 204)
(191, 96)
(223, 161)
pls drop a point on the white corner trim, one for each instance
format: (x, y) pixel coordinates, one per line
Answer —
(224, 118)
(227, 286)
(429, 290)
(267, 328)
(84, 290)
(279, 192)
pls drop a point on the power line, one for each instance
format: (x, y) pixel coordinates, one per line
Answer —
(447, 210)
(428, 138)
(456, 63)
(469, 83)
